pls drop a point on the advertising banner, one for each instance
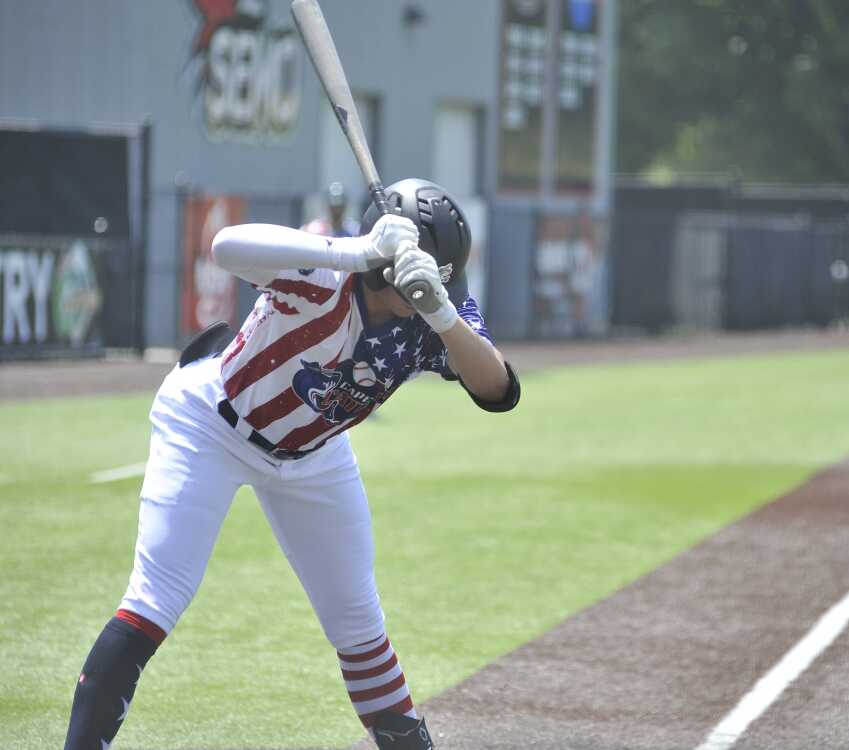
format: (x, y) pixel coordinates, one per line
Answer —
(51, 295)
(568, 277)
(209, 292)
(248, 65)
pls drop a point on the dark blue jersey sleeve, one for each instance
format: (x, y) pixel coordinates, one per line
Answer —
(435, 355)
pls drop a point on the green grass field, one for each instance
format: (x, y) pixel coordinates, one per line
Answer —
(490, 529)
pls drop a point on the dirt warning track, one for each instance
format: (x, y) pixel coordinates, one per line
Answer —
(658, 665)
(98, 377)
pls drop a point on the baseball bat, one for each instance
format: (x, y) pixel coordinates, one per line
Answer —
(313, 29)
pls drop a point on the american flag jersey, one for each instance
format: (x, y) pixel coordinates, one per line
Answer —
(304, 366)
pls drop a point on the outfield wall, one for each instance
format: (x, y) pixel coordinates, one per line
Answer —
(233, 111)
(726, 256)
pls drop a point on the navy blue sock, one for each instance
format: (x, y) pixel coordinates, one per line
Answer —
(107, 684)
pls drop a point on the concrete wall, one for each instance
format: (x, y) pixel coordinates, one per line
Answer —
(119, 62)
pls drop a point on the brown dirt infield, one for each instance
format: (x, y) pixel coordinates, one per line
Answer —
(657, 665)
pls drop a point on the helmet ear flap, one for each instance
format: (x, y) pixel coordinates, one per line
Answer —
(374, 279)
(445, 232)
(443, 229)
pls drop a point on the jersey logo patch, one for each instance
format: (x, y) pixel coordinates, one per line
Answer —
(341, 393)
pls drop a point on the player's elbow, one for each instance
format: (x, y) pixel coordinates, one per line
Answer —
(225, 248)
(497, 397)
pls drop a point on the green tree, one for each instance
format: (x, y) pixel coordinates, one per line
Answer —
(754, 88)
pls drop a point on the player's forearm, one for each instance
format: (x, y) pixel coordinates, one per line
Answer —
(257, 252)
(477, 362)
(268, 248)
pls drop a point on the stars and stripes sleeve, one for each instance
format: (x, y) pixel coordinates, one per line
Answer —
(436, 356)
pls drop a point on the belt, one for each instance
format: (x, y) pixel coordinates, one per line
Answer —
(226, 410)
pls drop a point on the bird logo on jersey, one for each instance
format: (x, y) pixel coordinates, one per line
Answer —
(339, 394)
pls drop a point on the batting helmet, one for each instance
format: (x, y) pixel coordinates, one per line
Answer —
(443, 229)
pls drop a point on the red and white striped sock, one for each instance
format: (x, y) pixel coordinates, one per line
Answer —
(375, 681)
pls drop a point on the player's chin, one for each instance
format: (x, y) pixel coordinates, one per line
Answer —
(401, 308)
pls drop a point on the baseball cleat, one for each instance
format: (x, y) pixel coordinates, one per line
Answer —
(398, 732)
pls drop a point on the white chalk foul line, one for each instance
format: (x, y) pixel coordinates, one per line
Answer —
(773, 683)
(115, 475)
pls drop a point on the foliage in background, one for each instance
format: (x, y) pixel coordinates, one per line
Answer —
(755, 89)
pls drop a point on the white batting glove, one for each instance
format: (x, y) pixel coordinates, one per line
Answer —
(416, 268)
(382, 242)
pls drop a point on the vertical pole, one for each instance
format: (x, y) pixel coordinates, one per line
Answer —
(182, 191)
(138, 192)
(605, 165)
(491, 166)
(493, 119)
(141, 265)
(606, 108)
(550, 102)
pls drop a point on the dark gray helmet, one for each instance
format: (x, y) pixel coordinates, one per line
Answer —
(443, 229)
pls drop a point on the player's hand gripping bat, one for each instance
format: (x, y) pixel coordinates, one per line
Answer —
(315, 34)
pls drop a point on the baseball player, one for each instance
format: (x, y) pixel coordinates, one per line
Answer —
(330, 338)
(336, 224)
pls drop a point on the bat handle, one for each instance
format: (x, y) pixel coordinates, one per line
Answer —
(378, 196)
(416, 290)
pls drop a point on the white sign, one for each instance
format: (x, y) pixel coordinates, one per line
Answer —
(49, 293)
(26, 276)
(250, 76)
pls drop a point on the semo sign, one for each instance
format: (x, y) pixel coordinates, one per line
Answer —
(250, 78)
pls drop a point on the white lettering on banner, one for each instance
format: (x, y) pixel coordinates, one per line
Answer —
(214, 300)
(15, 294)
(216, 93)
(25, 275)
(211, 279)
(40, 272)
(243, 76)
(253, 81)
(281, 83)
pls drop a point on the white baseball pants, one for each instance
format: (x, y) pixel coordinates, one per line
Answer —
(316, 506)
